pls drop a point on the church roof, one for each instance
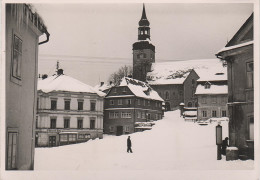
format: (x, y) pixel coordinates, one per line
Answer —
(65, 83)
(176, 72)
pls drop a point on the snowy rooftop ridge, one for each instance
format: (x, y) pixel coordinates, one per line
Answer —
(235, 46)
(213, 89)
(176, 72)
(140, 88)
(65, 83)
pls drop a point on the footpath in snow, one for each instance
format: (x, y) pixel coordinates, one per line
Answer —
(172, 144)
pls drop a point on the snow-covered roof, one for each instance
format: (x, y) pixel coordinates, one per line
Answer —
(215, 73)
(235, 46)
(176, 72)
(140, 89)
(213, 89)
(65, 83)
(103, 87)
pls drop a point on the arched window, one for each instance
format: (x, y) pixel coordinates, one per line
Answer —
(189, 104)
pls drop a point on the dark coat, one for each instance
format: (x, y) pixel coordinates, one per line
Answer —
(129, 143)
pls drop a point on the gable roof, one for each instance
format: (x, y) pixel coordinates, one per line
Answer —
(140, 89)
(244, 34)
(242, 40)
(65, 83)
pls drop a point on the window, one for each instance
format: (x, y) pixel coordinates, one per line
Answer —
(148, 116)
(111, 102)
(138, 114)
(80, 105)
(92, 106)
(36, 123)
(144, 55)
(12, 150)
(120, 101)
(92, 123)
(155, 104)
(125, 114)
(224, 113)
(250, 74)
(214, 99)
(251, 128)
(113, 115)
(111, 129)
(138, 56)
(128, 101)
(214, 113)
(72, 137)
(181, 92)
(53, 123)
(67, 104)
(53, 104)
(156, 116)
(115, 90)
(66, 123)
(63, 138)
(16, 57)
(189, 104)
(81, 136)
(80, 123)
(148, 102)
(167, 96)
(124, 89)
(37, 105)
(193, 81)
(143, 115)
(127, 129)
(204, 113)
(144, 102)
(138, 101)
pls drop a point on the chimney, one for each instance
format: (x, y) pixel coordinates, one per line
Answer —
(101, 83)
(44, 76)
(60, 72)
(130, 76)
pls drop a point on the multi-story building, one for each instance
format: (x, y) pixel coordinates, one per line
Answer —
(129, 102)
(23, 28)
(212, 101)
(239, 58)
(69, 111)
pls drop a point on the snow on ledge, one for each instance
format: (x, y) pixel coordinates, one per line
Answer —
(232, 148)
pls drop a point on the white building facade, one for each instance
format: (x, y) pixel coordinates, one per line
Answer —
(67, 116)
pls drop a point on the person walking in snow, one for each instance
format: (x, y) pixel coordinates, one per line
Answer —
(224, 146)
(129, 145)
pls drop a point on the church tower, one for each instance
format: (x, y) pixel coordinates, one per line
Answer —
(143, 50)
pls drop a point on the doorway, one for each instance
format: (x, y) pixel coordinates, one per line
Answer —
(52, 141)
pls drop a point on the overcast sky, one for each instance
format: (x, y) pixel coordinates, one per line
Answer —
(91, 41)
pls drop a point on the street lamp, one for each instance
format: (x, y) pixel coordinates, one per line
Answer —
(219, 140)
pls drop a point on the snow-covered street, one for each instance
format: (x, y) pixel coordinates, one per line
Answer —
(172, 144)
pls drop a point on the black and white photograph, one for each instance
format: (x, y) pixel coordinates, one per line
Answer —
(129, 90)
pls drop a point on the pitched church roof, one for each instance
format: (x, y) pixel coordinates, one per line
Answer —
(140, 89)
(176, 72)
(65, 83)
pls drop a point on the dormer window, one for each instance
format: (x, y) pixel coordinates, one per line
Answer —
(207, 85)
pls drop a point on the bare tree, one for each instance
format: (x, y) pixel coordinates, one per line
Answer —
(120, 73)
